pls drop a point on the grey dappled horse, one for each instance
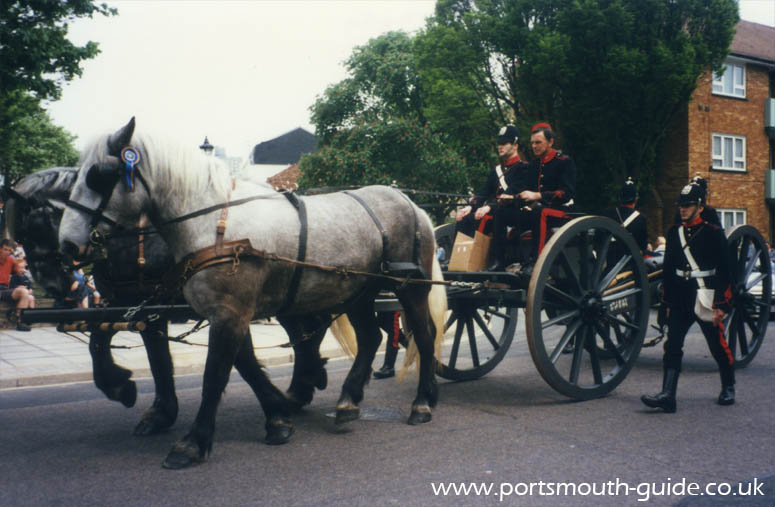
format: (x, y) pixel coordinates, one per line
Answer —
(34, 208)
(174, 181)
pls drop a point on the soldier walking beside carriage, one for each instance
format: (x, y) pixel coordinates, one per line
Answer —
(696, 288)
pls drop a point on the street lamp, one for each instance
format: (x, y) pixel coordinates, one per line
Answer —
(206, 147)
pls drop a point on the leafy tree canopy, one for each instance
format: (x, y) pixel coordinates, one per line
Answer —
(386, 92)
(30, 141)
(608, 74)
(34, 49)
(37, 58)
(394, 150)
(383, 84)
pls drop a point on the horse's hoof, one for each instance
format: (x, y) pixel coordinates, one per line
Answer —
(322, 381)
(345, 415)
(183, 455)
(296, 400)
(278, 431)
(151, 424)
(419, 415)
(128, 395)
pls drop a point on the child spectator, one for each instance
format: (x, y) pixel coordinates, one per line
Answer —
(19, 278)
(19, 296)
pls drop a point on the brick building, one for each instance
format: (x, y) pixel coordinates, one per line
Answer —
(721, 135)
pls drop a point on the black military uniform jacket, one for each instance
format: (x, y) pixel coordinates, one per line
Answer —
(637, 227)
(708, 245)
(514, 170)
(554, 175)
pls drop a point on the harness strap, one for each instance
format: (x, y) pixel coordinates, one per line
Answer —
(501, 177)
(301, 256)
(96, 214)
(417, 238)
(690, 258)
(381, 229)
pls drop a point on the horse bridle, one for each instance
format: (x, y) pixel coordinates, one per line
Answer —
(103, 178)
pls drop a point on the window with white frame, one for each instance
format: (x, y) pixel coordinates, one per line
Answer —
(728, 152)
(731, 82)
(731, 217)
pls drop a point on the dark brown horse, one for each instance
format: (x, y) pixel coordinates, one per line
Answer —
(33, 208)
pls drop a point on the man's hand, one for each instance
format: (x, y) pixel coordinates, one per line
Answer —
(462, 212)
(481, 212)
(718, 316)
(528, 195)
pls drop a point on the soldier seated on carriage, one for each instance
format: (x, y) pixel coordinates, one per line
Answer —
(479, 213)
(540, 202)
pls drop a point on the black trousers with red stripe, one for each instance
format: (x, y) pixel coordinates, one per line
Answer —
(678, 324)
(469, 225)
(537, 220)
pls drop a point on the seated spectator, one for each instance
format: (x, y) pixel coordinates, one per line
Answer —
(20, 278)
(93, 294)
(660, 249)
(79, 293)
(20, 296)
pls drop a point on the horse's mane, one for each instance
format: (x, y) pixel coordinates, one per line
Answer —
(55, 182)
(172, 166)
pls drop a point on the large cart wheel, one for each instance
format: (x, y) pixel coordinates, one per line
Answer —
(476, 338)
(752, 290)
(445, 236)
(579, 301)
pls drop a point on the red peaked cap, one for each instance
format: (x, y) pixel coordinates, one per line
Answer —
(540, 126)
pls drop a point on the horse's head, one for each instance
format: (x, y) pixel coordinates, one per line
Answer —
(104, 196)
(33, 217)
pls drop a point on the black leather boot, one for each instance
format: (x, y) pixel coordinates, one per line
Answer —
(727, 395)
(666, 399)
(388, 367)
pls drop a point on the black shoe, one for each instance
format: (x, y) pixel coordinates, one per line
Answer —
(24, 327)
(666, 399)
(661, 400)
(727, 395)
(385, 372)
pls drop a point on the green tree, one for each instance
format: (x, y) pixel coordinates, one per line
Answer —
(34, 49)
(37, 59)
(32, 141)
(386, 91)
(382, 84)
(394, 150)
(608, 74)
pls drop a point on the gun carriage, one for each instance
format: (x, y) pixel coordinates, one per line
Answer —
(586, 313)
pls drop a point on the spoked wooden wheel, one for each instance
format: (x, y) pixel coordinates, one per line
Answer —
(476, 338)
(579, 302)
(751, 293)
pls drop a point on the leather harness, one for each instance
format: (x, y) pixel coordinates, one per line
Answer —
(231, 252)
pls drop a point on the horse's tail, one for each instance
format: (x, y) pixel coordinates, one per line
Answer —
(437, 302)
(345, 335)
(437, 306)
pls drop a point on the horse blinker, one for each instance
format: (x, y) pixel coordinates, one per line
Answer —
(102, 178)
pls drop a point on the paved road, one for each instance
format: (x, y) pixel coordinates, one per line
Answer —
(67, 445)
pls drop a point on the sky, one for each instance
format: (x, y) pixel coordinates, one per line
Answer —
(239, 72)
